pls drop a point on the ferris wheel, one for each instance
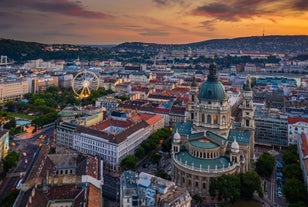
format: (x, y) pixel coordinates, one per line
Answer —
(85, 82)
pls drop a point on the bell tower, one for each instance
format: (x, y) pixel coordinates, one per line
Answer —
(248, 122)
(193, 98)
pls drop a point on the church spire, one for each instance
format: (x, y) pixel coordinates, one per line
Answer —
(213, 76)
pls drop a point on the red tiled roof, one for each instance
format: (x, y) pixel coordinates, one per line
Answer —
(112, 122)
(94, 196)
(92, 169)
(115, 138)
(178, 110)
(148, 118)
(293, 120)
(162, 110)
(304, 144)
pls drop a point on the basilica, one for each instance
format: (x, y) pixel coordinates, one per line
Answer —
(209, 144)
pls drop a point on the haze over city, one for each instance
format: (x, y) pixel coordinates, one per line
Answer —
(159, 21)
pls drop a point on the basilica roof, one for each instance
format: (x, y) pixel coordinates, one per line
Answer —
(242, 136)
(186, 158)
(212, 89)
(183, 128)
(204, 144)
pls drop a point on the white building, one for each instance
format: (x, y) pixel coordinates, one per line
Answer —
(142, 189)
(296, 126)
(112, 140)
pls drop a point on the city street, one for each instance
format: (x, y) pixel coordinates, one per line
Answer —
(27, 145)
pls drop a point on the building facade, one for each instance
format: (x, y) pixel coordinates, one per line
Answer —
(4, 143)
(12, 90)
(296, 126)
(208, 147)
(271, 128)
(142, 189)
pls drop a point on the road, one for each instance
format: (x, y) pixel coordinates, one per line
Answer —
(27, 146)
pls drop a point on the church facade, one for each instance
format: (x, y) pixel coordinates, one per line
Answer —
(207, 145)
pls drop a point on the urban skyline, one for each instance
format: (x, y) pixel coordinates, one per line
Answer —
(170, 21)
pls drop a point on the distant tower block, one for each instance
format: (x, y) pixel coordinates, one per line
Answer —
(3, 60)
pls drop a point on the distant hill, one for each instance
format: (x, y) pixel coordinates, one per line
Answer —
(287, 44)
(21, 51)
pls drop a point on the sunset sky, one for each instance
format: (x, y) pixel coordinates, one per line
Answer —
(159, 21)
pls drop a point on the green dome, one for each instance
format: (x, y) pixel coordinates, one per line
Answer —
(212, 89)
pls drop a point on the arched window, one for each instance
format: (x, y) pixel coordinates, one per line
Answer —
(247, 122)
(215, 119)
(203, 118)
(209, 119)
(192, 116)
(183, 180)
(224, 120)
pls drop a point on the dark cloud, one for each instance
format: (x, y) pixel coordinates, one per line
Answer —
(6, 26)
(225, 12)
(168, 2)
(235, 10)
(209, 25)
(64, 7)
(300, 5)
(154, 33)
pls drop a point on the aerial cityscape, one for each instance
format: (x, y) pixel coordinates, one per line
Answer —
(154, 103)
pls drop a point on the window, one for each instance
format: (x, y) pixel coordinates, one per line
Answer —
(192, 116)
(193, 97)
(215, 118)
(203, 118)
(209, 119)
(247, 122)
(224, 120)
(196, 184)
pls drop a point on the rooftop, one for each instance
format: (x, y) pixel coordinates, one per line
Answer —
(186, 158)
(242, 136)
(183, 128)
(205, 144)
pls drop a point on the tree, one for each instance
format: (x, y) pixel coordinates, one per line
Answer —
(10, 161)
(129, 162)
(197, 198)
(226, 187)
(290, 155)
(155, 158)
(265, 164)
(294, 190)
(250, 182)
(292, 171)
(140, 152)
(166, 146)
(9, 199)
(162, 174)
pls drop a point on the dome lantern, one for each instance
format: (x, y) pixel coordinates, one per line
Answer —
(235, 147)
